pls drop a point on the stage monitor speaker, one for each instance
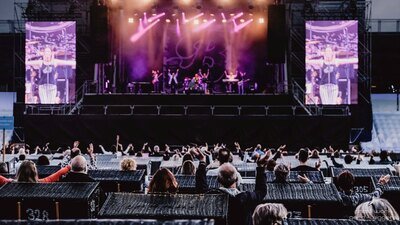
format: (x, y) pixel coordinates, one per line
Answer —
(277, 39)
(99, 34)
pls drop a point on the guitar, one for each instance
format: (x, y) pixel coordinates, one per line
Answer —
(243, 81)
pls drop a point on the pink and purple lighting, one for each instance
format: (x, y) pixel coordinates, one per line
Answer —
(139, 34)
(204, 25)
(242, 25)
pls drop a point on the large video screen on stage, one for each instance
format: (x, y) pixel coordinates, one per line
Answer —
(50, 61)
(332, 62)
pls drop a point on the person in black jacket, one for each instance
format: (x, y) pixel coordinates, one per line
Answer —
(78, 171)
(241, 204)
(303, 158)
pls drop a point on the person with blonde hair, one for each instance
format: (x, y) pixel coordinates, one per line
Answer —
(269, 214)
(376, 209)
(128, 164)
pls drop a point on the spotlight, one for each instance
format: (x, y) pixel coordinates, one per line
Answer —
(196, 22)
(242, 20)
(261, 20)
(168, 20)
(224, 21)
(150, 20)
(212, 15)
(205, 21)
(232, 14)
(131, 20)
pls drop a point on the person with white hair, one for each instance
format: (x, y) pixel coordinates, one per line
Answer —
(241, 204)
(78, 171)
(376, 209)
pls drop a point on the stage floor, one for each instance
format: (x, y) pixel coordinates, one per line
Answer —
(187, 99)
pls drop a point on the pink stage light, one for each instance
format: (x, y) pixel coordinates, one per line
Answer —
(204, 25)
(183, 17)
(139, 34)
(223, 16)
(154, 18)
(238, 16)
(242, 25)
(178, 28)
(194, 18)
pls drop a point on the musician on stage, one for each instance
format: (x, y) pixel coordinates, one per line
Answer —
(204, 80)
(173, 81)
(230, 79)
(241, 82)
(231, 75)
(156, 81)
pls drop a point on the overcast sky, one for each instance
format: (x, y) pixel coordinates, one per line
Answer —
(382, 9)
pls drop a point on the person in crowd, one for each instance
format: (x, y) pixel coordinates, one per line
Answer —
(376, 209)
(241, 204)
(43, 161)
(281, 172)
(224, 156)
(314, 154)
(75, 151)
(78, 171)
(346, 180)
(348, 159)
(188, 168)
(156, 151)
(163, 181)
(303, 156)
(384, 158)
(269, 214)
(258, 151)
(3, 167)
(116, 148)
(271, 165)
(128, 164)
(21, 158)
(187, 157)
(28, 173)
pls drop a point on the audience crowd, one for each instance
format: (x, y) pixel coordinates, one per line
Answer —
(245, 207)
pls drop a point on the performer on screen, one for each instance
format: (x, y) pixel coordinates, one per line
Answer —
(156, 81)
(48, 75)
(32, 87)
(329, 90)
(173, 81)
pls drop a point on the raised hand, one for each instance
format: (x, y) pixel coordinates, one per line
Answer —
(262, 161)
(303, 179)
(384, 179)
(318, 164)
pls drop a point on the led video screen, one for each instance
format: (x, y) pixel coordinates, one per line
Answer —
(332, 62)
(50, 62)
